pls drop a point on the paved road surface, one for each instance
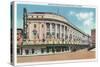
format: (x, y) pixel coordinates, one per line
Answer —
(82, 54)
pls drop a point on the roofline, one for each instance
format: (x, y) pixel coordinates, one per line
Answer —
(45, 13)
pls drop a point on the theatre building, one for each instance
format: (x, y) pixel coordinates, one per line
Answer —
(49, 33)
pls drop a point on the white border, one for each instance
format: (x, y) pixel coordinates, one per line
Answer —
(48, 62)
(15, 32)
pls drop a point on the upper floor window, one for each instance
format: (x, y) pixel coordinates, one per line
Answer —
(48, 34)
(42, 25)
(34, 16)
(58, 35)
(65, 29)
(62, 28)
(34, 25)
(66, 36)
(53, 34)
(70, 37)
(62, 35)
(53, 27)
(48, 26)
(39, 16)
(34, 32)
(58, 28)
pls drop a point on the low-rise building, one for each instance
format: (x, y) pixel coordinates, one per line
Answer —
(45, 32)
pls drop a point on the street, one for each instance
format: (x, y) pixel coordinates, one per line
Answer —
(81, 54)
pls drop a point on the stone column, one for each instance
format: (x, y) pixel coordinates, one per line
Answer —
(64, 34)
(55, 30)
(40, 33)
(50, 28)
(60, 33)
(55, 33)
(50, 32)
(45, 32)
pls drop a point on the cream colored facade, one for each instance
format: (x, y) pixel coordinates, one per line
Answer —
(51, 28)
(46, 32)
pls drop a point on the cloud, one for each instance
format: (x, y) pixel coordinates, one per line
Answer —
(91, 14)
(82, 16)
(85, 17)
(87, 22)
(72, 13)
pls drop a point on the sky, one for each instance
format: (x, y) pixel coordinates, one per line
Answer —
(82, 17)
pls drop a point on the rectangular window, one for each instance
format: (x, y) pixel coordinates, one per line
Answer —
(53, 27)
(62, 29)
(32, 51)
(65, 29)
(27, 51)
(58, 35)
(48, 26)
(58, 28)
(48, 34)
(18, 51)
